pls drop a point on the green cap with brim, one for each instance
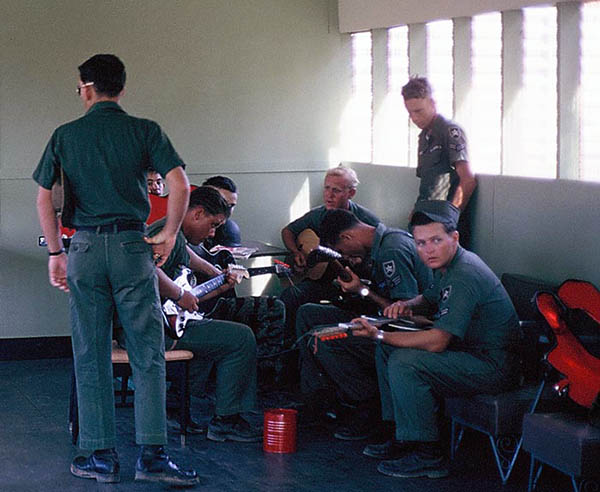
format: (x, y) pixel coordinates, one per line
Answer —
(439, 211)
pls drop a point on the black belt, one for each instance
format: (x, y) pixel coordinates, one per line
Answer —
(114, 228)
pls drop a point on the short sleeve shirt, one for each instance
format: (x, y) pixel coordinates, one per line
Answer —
(473, 305)
(440, 147)
(105, 155)
(313, 218)
(179, 255)
(397, 271)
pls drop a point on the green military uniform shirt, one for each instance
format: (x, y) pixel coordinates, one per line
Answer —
(440, 147)
(93, 151)
(473, 306)
(397, 271)
(313, 218)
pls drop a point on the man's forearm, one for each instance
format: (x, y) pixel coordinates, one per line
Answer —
(289, 239)
(48, 220)
(166, 287)
(466, 185)
(199, 264)
(433, 340)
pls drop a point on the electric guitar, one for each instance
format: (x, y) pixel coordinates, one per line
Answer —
(175, 318)
(344, 330)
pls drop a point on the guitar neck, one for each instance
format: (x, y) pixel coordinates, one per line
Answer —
(261, 270)
(208, 286)
(340, 271)
(216, 282)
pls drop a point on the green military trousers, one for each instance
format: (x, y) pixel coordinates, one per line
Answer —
(411, 383)
(108, 272)
(231, 347)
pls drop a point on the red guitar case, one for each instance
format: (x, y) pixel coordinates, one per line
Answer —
(579, 368)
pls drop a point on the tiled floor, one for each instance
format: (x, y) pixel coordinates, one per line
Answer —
(35, 450)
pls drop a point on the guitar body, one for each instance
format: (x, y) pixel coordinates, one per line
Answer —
(306, 242)
(175, 318)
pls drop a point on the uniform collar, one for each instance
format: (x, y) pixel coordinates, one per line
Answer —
(459, 253)
(436, 121)
(379, 232)
(105, 106)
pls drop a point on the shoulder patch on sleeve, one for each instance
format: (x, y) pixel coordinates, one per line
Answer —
(389, 268)
(445, 294)
(454, 132)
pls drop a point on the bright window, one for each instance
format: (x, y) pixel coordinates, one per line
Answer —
(393, 147)
(358, 144)
(590, 92)
(537, 108)
(440, 65)
(485, 131)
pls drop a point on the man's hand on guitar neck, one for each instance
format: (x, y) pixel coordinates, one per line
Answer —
(191, 303)
(354, 285)
(299, 260)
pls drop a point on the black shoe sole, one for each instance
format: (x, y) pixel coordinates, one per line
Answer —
(440, 472)
(382, 456)
(423, 473)
(141, 476)
(352, 437)
(99, 477)
(222, 437)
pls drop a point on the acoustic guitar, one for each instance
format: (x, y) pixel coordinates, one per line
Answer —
(306, 242)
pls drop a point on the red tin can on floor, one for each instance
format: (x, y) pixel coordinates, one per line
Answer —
(279, 434)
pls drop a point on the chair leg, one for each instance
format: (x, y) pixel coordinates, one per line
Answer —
(184, 402)
(505, 458)
(124, 384)
(454, 438)
(535, 473)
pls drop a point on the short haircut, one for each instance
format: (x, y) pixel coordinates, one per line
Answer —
(417, 88)
(210, 200)
(419, 218)
(222, 182)
(334, 223)
(345, 172)
(107, 73)
(152, 170)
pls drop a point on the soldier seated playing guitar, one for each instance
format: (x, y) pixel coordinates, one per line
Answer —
(338, 190)
(230, 346)
(346, 367)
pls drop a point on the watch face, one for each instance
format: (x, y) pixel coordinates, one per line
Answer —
(364, 291)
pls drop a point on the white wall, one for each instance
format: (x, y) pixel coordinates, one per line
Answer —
(253, 89)
(544, 228)
(361, 15)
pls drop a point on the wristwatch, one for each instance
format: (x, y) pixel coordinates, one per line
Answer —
(379, 336)
(364, 291)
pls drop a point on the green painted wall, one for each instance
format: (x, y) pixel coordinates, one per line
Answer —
(249, 88)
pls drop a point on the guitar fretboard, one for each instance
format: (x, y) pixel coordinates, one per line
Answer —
(208, 286)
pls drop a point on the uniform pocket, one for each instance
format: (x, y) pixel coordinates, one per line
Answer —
(79, 247)
(136, 247)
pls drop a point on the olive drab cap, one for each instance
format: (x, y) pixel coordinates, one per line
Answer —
(439, 211)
